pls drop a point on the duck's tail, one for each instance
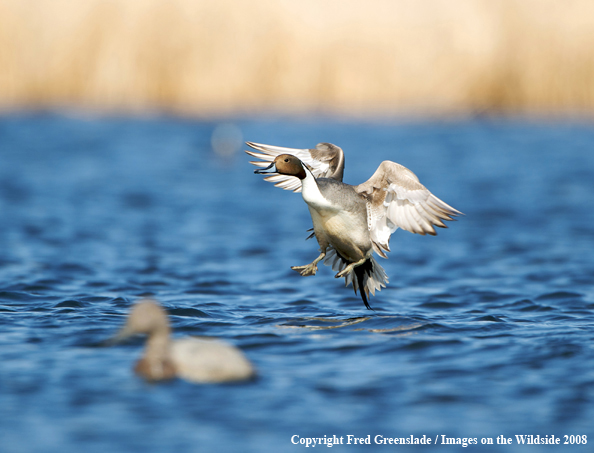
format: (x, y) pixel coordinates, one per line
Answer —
(369, 277)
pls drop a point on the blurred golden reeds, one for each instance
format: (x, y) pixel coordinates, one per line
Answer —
(344, 56)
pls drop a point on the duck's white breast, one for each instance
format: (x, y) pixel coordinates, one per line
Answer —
(312, 195)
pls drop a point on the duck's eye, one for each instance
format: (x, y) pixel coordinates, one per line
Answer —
(286, 160)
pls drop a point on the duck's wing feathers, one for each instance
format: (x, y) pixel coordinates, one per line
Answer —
(325, 161)
(396, 199)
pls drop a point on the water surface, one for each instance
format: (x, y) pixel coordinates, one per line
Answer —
(484, 330)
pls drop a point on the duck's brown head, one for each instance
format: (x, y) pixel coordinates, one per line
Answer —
(285, 164)
(146, 317)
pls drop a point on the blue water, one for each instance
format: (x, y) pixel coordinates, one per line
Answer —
(484, 330)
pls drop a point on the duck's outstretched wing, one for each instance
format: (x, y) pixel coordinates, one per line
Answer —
(396, 199)
(325, 161)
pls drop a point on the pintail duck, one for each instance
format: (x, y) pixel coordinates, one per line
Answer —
(195, 359)
(352, 222)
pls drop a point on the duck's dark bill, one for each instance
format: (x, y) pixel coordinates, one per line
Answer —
(118, 338)
(262, 171)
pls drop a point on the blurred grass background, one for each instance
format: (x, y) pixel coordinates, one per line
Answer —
(334, 56)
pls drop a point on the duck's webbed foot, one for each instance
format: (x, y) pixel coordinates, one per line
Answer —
(349, 268)
(309, 269)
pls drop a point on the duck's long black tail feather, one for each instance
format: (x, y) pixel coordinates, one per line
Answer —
(361, 271)
(368, 277)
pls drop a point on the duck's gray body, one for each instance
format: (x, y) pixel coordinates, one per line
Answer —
(341, 220)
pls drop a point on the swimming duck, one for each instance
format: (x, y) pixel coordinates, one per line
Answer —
(195, 359)
(352, 222)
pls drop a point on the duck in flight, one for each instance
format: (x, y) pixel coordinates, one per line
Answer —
(352, 222)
